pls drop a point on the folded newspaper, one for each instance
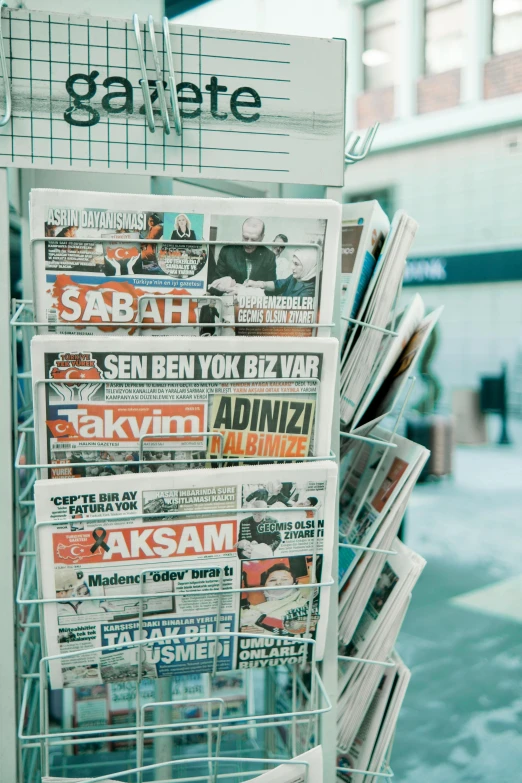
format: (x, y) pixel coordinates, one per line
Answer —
(372, 745)
(361, 348)
(372, 479)
(359, 755)
(185, 565)
(108, 400)
(396, 580)
(183, 264)
(364, 229)
(383, 745)
(401, 356)
(374, 639)
(407, 323)
(357, 589)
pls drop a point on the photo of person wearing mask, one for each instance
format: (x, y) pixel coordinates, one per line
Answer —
(300, 283)
(67, 585)
(269, 615)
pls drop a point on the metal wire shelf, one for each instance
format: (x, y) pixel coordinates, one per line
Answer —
(289, 726)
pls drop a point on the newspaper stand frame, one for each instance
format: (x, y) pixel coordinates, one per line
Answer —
(26, 467)
(27, 654)
(386, 773)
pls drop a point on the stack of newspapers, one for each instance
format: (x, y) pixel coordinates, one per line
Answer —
(380, 343)
(379, 468)
(183, 396)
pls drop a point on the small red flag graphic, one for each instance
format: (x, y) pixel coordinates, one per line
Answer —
(61, 428)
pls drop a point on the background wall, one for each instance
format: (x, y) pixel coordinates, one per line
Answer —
(465, 194)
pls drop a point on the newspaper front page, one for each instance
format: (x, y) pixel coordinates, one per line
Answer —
(183, 265)
(97, 398)
(202, 565)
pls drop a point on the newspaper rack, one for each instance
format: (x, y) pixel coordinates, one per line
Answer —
(298, 718)
(34, 676)
(298, 706)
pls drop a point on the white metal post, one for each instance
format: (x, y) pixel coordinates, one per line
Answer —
(163, 746)
(329, 668)
(8, 746)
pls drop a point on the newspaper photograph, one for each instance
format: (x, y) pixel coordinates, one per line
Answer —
(232, 403)
(118, 573)
(183, 265)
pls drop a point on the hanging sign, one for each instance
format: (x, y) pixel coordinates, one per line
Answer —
(494, 266)
(253, 106)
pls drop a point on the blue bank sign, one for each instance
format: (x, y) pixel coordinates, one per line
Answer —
(489, 267)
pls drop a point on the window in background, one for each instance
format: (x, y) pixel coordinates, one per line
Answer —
(444, 35)
(380, 53)
(384, 197)
(506, 26)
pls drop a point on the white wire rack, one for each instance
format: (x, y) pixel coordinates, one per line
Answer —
(345, 773)
(289, 724)
(283, 718)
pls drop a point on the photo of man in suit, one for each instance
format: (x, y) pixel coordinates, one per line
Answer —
(258, 534)
(209, 314)
(238, 263)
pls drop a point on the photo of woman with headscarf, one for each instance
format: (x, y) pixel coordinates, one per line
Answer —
(182, 229)
(300, 283)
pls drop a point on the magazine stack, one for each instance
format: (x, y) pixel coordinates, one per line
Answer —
(379, 468)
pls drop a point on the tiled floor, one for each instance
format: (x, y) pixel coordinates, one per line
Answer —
(462, 718)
